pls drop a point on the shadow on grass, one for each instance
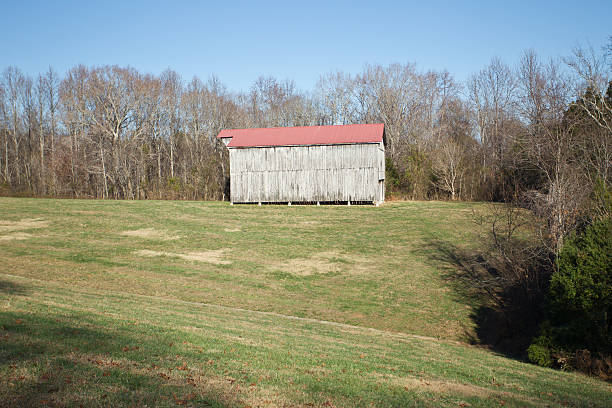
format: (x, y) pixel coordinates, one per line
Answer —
(12, 288)
(66, 361)
(503, 321)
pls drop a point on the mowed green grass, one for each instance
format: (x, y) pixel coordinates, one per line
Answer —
(205, 304)
(375, 267)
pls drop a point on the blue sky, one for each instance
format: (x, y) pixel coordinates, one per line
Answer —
(239, 41)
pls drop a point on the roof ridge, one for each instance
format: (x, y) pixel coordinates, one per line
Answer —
(304, 135)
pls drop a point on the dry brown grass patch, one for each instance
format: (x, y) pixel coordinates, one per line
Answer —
(320, 263)
(150, 233)
(454, 388)
(226, 389)
(15, 228)
(310, 223)
(444, 387)
(16, 236)
(203, 385)
(324, 263)
(213, 256)
(23, 224)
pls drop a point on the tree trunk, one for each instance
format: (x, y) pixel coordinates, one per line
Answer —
(171, 155)
(41, 136)
(105, 192)
(7, 175)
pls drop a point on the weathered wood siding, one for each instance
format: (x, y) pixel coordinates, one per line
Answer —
(352, 172)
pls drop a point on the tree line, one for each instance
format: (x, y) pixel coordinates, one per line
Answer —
(113, 132)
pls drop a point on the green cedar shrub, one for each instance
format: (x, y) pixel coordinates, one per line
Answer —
(540, 355)
(580, 295)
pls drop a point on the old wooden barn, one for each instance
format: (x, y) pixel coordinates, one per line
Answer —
(307, 164)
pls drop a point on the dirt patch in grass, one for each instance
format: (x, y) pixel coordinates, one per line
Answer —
(16, 236)
(214, 256)
(320, 263)
(15, 228)
(443, 387)
(455, 388)
(150, 233)
(23, 224)
(309, 223)
(232, 229)
(192, 383)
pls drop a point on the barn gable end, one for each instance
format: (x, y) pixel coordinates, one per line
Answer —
(306, 164)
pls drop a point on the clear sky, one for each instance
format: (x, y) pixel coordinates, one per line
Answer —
(239, 41)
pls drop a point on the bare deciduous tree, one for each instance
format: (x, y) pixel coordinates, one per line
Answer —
(449, 167)
(595, 73)
(114, 132)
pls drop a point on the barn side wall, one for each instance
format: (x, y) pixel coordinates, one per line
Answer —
(307, 173)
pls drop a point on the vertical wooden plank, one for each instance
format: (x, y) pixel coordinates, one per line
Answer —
(308, 173)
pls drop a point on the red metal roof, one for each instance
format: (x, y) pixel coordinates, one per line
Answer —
(304, 135)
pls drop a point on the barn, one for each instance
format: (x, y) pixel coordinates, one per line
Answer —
(307, 164)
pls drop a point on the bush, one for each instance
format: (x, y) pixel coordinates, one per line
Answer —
(579, 303)
(580, 296)
(540, 355)
(392, 180)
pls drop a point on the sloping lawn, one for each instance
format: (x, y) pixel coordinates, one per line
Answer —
(162, 303)
(70, 346)
(376, 267)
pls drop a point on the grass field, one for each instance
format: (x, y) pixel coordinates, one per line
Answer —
(205, 304)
